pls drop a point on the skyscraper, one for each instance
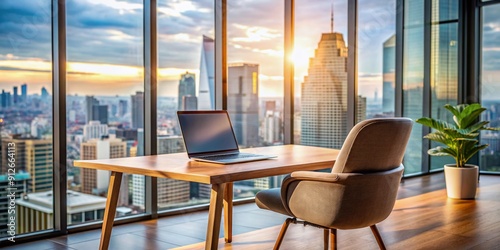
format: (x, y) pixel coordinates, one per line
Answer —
(187, 87)
(324, 94)
(16, 96)
(389, 74)
(122, 108)
(90, 102)
(44, 93)
(138, 110)
(94, 130)
(243, 102)
(189, 102)
(206, 92)
(100, 113)
(96, 181)
(24, 92)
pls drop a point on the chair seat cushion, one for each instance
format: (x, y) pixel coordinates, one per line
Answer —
(270, 199)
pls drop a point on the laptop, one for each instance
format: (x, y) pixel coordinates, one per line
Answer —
(209, 137)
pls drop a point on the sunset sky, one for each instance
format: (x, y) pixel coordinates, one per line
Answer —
(104, 42)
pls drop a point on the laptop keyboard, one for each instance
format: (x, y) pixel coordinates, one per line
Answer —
(227, 157)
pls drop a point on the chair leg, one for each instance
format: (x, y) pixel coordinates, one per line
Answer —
(380, 242)
(282, 233)
(325, 238)
(333, 239)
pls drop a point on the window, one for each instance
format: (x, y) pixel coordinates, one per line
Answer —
(105, 98)
(25, 116)
(255, 80)
(490, 88)
(186, 50)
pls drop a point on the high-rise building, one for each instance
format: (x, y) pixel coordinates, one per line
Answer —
(243, 102)
(45, 94)
(189, 102)
(271, 131)
(389, 75)
(90, 102)
(24, 92)
(18, 187)
(206, 92)
(324, 94)
(16, 95)
(95, 130)
(100, 113)
(5, 99)
(96, 181)
(38, 207)
(187, 87)
(122, 108)
(33, 156)
(138, 110)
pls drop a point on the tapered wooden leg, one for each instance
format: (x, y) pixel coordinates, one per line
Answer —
(333, 239)
(380, 242)
(228, 212)
(282, 233)
(109, 214)
(214, 216)
(326, 232)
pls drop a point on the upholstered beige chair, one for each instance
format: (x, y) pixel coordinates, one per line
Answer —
(359, 192)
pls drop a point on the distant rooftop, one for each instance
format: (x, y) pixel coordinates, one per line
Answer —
(77, 202)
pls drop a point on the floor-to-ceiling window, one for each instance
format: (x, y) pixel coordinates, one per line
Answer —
(376, 59)
(490, 86)
(105, 102)
(186, 68)
(413, 79)
(25, 117)
(255, 50)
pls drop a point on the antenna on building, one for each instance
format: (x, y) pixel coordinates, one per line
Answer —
(331, 21)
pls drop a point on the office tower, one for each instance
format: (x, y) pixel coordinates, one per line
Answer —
(128, 134)
(94, 130)
(243, 102)
(19, 186)
(187, 87)
(389, 75)
(361, 109)
(33, 156)
(96, 181)
(140, 142)
(122, 108)
(24, 92)
(271, 132)
(44, 94)
(100, 113)
(189, 102)
(171, 191)
(324, 94)
(138, 110)
(16, 96)
(90, 102)
(38, 207)
(5, 99)
(206, 92)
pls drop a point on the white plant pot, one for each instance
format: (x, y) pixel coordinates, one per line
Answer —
(461, 183)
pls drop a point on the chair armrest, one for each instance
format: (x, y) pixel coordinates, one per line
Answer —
(314, 176)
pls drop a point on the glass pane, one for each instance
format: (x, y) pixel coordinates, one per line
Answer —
(255, 79)
(185, 82)
(444, 66)
(25, 117)
(413, 80)
(376, 58)
(105, 101)
(490, 88)
(320, 60)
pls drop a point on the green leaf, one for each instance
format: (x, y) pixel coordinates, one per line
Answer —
(435, 124)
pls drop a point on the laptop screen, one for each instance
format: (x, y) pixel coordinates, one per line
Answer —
(207, 131)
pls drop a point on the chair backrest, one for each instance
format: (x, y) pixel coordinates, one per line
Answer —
(374, 145)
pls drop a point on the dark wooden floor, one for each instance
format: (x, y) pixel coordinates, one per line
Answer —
(423, 218)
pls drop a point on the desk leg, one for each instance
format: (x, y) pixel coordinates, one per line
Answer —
(228, 212)
(214, 216)
(109, 214)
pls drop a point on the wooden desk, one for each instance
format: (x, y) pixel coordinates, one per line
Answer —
(178, 166)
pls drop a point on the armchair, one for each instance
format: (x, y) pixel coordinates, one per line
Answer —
(359, 192)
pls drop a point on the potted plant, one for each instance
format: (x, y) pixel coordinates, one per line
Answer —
(460, 142)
